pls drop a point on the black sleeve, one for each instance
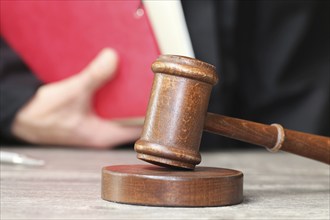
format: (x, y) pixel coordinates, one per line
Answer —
(273, 59)
(283, 55)
(17, 86)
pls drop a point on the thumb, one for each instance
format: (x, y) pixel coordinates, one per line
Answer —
(101, 69)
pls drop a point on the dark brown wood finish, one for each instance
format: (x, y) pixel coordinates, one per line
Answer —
(159, 186)
(177, 112)
(308, 145)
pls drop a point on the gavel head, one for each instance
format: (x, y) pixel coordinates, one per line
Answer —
(177, 108)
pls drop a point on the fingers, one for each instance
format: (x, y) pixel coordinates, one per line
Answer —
(100, 70)
(120, 135)
(60, 113)
(99, 133)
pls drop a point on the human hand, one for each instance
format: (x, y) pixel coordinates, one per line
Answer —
(61, 113)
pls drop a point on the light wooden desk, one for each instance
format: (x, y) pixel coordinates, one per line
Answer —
(276, 186)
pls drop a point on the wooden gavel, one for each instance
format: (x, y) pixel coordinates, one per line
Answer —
(177, 115)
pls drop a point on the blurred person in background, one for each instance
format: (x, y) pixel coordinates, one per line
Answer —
(272, 57)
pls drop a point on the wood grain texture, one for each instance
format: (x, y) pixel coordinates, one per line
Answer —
(308, 145)
(176, 112)
(276, 186)
(177, 115)
(159, 186)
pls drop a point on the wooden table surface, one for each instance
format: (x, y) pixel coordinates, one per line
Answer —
(276, 186)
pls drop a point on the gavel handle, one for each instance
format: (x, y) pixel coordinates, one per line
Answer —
(270, 136)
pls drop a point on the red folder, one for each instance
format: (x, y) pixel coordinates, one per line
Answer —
(59, 38)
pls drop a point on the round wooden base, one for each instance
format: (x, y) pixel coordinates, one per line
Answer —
(159, 186)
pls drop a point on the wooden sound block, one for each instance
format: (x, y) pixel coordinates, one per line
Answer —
(159, 186)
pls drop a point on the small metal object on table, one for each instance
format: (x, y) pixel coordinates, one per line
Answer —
(276, 186)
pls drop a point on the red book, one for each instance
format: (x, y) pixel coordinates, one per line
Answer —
(57, 39)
